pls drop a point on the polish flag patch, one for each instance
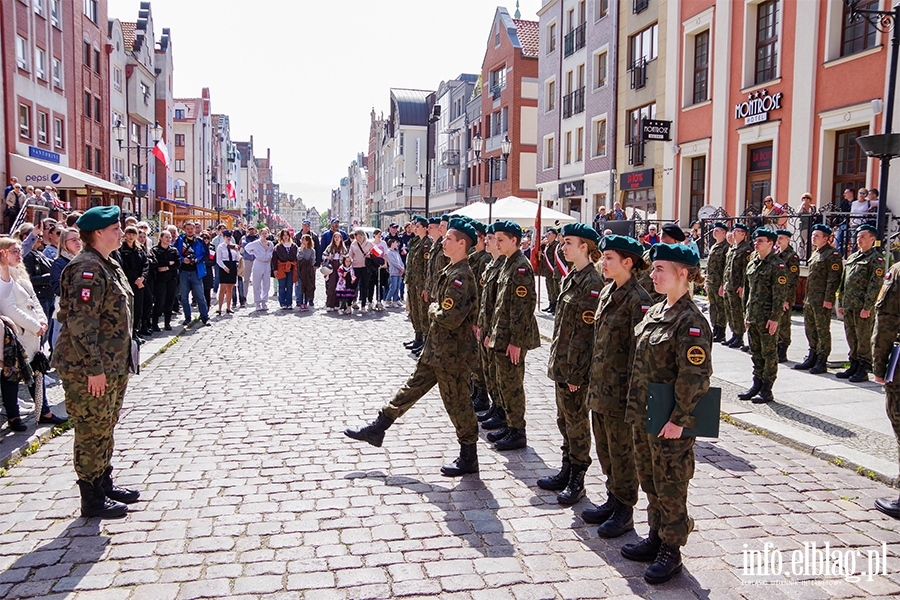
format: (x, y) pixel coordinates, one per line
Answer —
(694, 331)
(87, 275)
(595, 294)
(644, 309)
(521, 271)
(457, 283)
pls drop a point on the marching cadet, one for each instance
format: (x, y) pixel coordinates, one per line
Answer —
(416, 260)
(478, 260)
(735, 271)
(449, 349)
(673, 347)
(623, 304)
(825, 266)
(791, 261)
(887, 326)
(715, 281)
(494, 420)
(570, 359)
(513, 331)
(437, 261)
(554, 276)
(764, 297)
(863, 274)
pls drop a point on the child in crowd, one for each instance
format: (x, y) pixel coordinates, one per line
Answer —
(395, 273)
(346, 286)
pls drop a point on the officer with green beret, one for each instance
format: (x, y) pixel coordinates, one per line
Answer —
(715, 281)
(478, 260)
(886, 336)
(764, 296)
(623, 304)
(570, 359)
(450, 348)
(788, 256)
(673, 347)
(416, 262)
(553, 275)
(494, 420)
(93, 357)
(860, 284)
(735, 272)
(825, 267)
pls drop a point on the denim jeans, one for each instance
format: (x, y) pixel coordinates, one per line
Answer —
(284, 290)
(393, 294)
(215, 278)
(298, 293)
(190, 282)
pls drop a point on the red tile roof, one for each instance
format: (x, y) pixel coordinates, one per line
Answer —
(128, 30)
(529, 36)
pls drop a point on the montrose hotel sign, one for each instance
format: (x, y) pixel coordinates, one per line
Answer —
(757, 107)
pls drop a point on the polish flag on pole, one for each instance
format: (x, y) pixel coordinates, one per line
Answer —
(231, 191)
(377, 251)
(161, 151)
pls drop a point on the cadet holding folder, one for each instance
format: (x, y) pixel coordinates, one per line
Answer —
(673, 348)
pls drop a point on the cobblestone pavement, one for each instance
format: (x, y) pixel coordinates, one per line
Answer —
(249, 490)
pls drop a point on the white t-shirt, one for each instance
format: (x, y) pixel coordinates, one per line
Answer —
(857, 207)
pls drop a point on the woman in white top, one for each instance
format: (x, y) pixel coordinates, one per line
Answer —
(261, 275)
(20, 305)
(360, 248)
(227, 256)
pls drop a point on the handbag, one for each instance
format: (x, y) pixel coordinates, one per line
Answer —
(325, 269)
(372, 262)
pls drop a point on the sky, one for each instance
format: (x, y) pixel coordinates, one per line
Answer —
(302, 77)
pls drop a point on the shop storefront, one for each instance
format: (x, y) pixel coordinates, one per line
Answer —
(638, 194)
(80, 190)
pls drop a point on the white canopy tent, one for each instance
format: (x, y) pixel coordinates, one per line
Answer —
(513, 208)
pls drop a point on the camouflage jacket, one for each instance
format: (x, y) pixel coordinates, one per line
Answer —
(887, 323)
(766, 289)
(550, 254)
(489, 293)
(646, 281)
(573, 327)
(437, 260)
(95, 309)
(514, 323)
(417, 263)
(715, 265)
(825, 266)
(736, 265)
(792, 263)
(451, 339)
(409, 275)
(620, 311)
(478, 260)
(673, 347)
(863, 274)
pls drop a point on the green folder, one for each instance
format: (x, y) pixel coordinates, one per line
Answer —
(661, 403)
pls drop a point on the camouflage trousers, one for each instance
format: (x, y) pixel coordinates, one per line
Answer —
(454, 387)
(418, 310)
(553, 289)
(94, 419)
(509, 381)
(859, 335)
(665, 468)
(892, 405)
(614, 441)
(763, 351)
(784, 328)
(574, 424)
(489, 369)
(718, 310)
(817, 322)
(735, 310)
(478, 379)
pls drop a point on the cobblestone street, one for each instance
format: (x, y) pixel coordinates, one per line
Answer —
(250, 490)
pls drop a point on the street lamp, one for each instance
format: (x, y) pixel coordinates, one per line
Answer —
(505, 147)
(434, 118)
(155, 134)
(411, 188)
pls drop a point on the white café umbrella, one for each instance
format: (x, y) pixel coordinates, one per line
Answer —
(513, 208)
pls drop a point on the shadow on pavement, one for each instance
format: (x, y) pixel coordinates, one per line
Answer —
(527, 466)
(810, 420)
(720, 458)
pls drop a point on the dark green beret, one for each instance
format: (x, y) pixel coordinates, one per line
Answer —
(720, 225)
(553, 230)
(581, 230)
(420, 220)
(98, 217)
(870, 228)
(741, 226)
(823, 228)
(766, 233)
(675, 253)
(434, 220)
(786, 232)
(445, 217)
(464, 228)
(509, 227)
(479, 226)
(622, 243)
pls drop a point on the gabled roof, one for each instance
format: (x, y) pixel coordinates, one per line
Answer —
(128, 30)
(529, 36)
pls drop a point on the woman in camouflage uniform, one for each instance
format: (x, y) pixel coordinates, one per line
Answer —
(673, 348)
(570, 359)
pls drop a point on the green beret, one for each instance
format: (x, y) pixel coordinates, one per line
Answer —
(420, 220)
(581, 230)
(622, 243)
(508, 227)
(741, 226)
(464, 228)
(766, 233)
(786, 232)
(870, 228)
(553, 230)
(445, 217)
(434, 220)
(720, 225)
(823, 228)
(98, 217)
(480, 227)
(675, 253)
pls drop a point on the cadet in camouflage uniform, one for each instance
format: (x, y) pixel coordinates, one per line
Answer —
(478, 260)
(623, 304)
(416, 260)
(673, 347)
(449, 350)
(437, 260)
(93, 357)
(791, 261)
(715, 282)
(513, 331)
(495, 419)
(554, 276)
(887, 326)
(825, 266)
(735, 271)
(764, 297)
(863, 274)
(570, 359)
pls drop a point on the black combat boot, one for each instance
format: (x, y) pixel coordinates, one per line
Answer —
(558, 481)
(94, 502)
(114, 492)
(889, 507)
(575, 490)
(808, 363)
(497, 434)
(467, 462)
(420, 343)
(718, 334)
(851, 370)
(372, 433)
(645, 550)
(821, 365)
(497, 421)
(737, 343)
(413, 342)
(730, 340)
(599, 514)
(765, 393)
(552, 309)
(620, 522)
(154, 326)
(481, 402)
(487, 415)
(782, 353)
(666, 566)
(754, 389)
(515, 439)
(168, 325)
(862, 373)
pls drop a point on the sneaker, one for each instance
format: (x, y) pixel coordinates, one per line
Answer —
(304, 308)
(379, 306)
(355, 306)
(329, 309)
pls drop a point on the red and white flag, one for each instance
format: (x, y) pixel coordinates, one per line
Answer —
(161, 151)
(231, 192)
(377, 251)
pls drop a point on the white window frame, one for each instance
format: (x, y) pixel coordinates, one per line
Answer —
(38, 6)
(579, 148)
(551, 141)
(179, 165)
(605, 118)
(56, 72)
(596, 7)
(25, 126)
(552, 33)
(56, 13)
(40, 63)
(117, 78)
(42, 127)
(691, 28)
(22, 53)
(749, 62)
(91, 10)
(547, 84)
(58, 133)
(595, 68)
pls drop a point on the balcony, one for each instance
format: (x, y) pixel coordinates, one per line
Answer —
(495, 91)
(575, 40)
(450, 159)
(635, 152)
(638, 72)
(640, 6)
(573, 103)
